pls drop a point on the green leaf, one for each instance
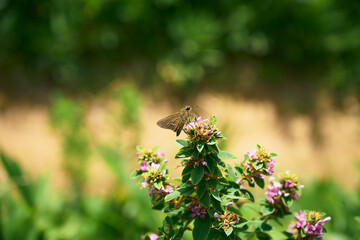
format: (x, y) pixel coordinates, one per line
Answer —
(228, 231)
(182, 143)
(214, 235)
(210, 164)
(266, 227)
(16, 175)
(158, 184)
(172, 195)
(212, 183)
(197, 174)
(187, 170)
(258, 165)
(185, 178)
(201, 188)
(200, 145)
(184, 152)
(248, 194)
(263, 236)
(182, 191)
(260, 182)
(215, 148)
(135, 174)
(215, 194)
(216, 159)
(223, 154)
(212, 141)
(216, 204)
(201, 228)
(167, 224)
(231, 173)
(205, 200)
(268, 210)
(288, 201)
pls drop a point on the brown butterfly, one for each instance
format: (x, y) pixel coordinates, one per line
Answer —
(177, 120)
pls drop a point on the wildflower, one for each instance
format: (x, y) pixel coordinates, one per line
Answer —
(259, 163)
(160, 154)
(251, 154)
(285, 186)
(311, 224)
(227, 219)
(143, 166)
(200, 129)
(153, 236)
(301, 219)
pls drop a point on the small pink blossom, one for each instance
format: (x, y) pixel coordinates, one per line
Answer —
(229, 203)
(252, 154)
(300, 216)
(155, 166)
(153, 236)
(143, 166)
(160, 154)
(288, 184)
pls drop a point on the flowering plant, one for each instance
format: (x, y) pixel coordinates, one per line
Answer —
(213, 199)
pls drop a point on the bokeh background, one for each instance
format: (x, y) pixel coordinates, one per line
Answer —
(83, 82)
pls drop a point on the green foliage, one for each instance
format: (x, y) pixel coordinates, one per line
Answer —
(84, 45)
(33, 209)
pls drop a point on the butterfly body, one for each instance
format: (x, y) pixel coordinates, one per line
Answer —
(177, 120)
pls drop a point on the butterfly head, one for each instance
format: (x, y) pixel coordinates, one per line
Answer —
(187, 108)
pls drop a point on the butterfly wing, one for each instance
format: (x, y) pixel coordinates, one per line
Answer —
(171, 122)
(179, 128)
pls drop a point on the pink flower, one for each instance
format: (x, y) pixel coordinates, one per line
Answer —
(160, 154)
(288, 184)
(155, 166)
(270, 168)
(252, 154)
(144, 183)
(190, 126)
(310, 229)
(153, 236)
(327, 219)
(143, 166)
(229, 203)
(300, 216)
(217, 215)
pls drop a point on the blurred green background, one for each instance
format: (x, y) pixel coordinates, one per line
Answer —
(113, 59)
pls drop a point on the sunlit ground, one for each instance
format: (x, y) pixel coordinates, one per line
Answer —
(26, 135)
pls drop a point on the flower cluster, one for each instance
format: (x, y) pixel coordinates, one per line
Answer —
(154, 172)
(257, 164)
(283, 190)
(200, 129)
(196, 208)
(210, 197)
(228, 218)
(309, 225)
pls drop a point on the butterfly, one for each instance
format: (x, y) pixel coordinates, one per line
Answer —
(177, 120)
